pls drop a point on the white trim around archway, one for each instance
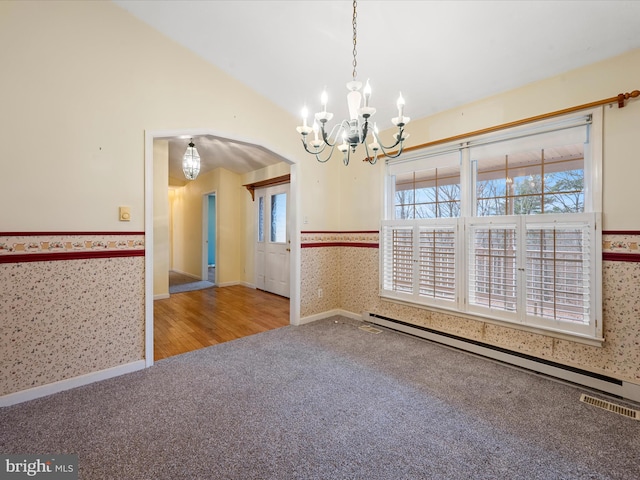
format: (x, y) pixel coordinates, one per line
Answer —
(294, 213)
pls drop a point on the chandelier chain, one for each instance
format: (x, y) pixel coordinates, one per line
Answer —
(355, 38)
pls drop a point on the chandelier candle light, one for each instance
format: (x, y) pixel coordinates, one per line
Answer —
(191, 162)
(354, 131)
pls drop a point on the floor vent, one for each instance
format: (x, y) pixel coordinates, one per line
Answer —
(370, 329)
(612, 407)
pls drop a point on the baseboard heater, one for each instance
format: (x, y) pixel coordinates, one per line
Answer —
(609, 385)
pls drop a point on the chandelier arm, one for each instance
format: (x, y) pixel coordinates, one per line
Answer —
(333, 133)
(371, 159)
(397, 154)
(384, 148)
(388, 147)
(317, 153)
(312, 152)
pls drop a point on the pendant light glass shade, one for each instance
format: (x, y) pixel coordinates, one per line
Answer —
(191, 162)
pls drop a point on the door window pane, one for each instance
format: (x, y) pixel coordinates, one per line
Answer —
(279, 218)
(261, 219)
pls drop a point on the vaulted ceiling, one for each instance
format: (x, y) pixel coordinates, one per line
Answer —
(439, 54)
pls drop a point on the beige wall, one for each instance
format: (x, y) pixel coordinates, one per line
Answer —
(321, 205)
(83, 81)
(187, 213)
(176, 225)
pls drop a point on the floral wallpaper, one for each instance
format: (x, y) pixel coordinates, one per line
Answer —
(63, 319)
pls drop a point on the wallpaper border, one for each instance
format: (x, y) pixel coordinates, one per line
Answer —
(331, 238)
(20, 247)
(617, 245)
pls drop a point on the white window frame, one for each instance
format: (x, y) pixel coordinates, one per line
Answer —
(590, 332)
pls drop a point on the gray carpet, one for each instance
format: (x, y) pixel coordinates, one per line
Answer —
(190, 287)
(327, 401)
(179, 282)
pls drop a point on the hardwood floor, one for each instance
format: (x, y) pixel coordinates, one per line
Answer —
(192, 320)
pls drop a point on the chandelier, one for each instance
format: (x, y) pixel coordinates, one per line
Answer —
(191, 162)
(354, 131)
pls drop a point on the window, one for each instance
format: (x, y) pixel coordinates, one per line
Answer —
(428, 189)
(419, 261)
(261, 219)
(431, 193)
(542, 173)
(279, 218)
(504, 227)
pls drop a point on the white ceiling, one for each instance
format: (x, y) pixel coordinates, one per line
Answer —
(439, 54)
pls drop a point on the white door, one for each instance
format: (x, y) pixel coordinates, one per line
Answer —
(273, 245)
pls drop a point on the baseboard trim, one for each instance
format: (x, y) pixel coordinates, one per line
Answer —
(197, 277)
(161, 296)
(330, 313)
(69, 383)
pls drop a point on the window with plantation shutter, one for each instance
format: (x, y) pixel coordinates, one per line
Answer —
(397, 243)
(419, 261)
(492, 267)
(437, 262)
(560, 267)
(503, 226)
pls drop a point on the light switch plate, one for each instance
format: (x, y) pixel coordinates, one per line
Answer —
(125, 214)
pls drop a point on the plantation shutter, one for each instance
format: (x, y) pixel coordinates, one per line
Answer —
(560, 271)
(397, 259)
(419, 261)
(493, 267)
(437, 262)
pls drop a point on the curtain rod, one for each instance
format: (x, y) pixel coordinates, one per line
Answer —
(619, 99)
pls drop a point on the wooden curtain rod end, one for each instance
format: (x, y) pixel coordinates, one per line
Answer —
(626, 96)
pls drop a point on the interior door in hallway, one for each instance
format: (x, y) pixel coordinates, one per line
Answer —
(272, 243)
